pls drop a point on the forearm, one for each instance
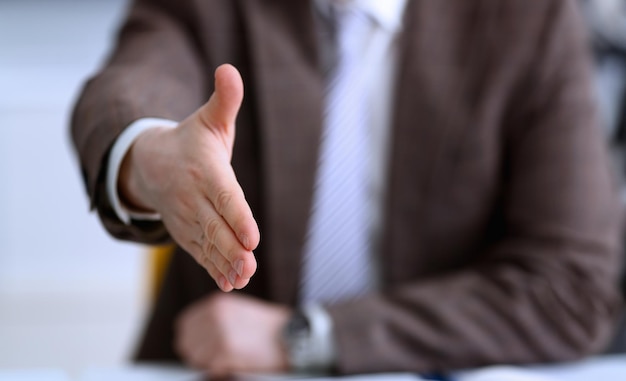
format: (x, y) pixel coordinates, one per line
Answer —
(501, 313)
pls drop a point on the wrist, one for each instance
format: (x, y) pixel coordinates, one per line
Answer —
(129, 186)
(118, 152)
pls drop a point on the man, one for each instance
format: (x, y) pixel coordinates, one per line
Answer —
(491, 216)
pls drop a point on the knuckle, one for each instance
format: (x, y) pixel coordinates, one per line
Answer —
(211, 229)
(229, 252)
(214, 257)
(205, 259)
(223, 201)
(217, 261)
(205, 248)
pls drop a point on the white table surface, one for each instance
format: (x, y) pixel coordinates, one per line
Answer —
(605, 368)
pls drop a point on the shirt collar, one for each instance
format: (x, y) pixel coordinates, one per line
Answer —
(388, 14)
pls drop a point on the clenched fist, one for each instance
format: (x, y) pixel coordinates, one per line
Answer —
(229, 333)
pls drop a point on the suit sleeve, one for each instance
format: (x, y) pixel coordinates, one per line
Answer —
(546, 290)
(154, 71)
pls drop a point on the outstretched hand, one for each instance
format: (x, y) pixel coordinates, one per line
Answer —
(185, 174)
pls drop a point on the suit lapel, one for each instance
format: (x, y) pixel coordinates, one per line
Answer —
(288, 87)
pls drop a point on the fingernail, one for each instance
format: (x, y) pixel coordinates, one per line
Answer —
(223, 283)
(245, 241)
(232, 277)
(239, 267)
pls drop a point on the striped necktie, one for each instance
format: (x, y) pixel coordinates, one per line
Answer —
(337, 263)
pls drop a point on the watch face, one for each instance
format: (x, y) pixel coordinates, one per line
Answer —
(296, 336)
(298, 326)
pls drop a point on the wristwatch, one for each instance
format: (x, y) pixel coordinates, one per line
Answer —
(308, 340)
(297, 340)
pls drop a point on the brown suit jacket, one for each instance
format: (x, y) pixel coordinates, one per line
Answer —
(500, 238)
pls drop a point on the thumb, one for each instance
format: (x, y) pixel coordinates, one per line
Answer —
(222, 108)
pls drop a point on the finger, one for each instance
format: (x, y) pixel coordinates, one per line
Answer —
(227, 275)
(213, 244)
(221, 110)
(199, 239)
(225, 267)
(217, 233)
(229, 201)
(204, 258)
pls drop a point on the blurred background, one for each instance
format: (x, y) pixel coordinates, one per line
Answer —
(70, 296)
